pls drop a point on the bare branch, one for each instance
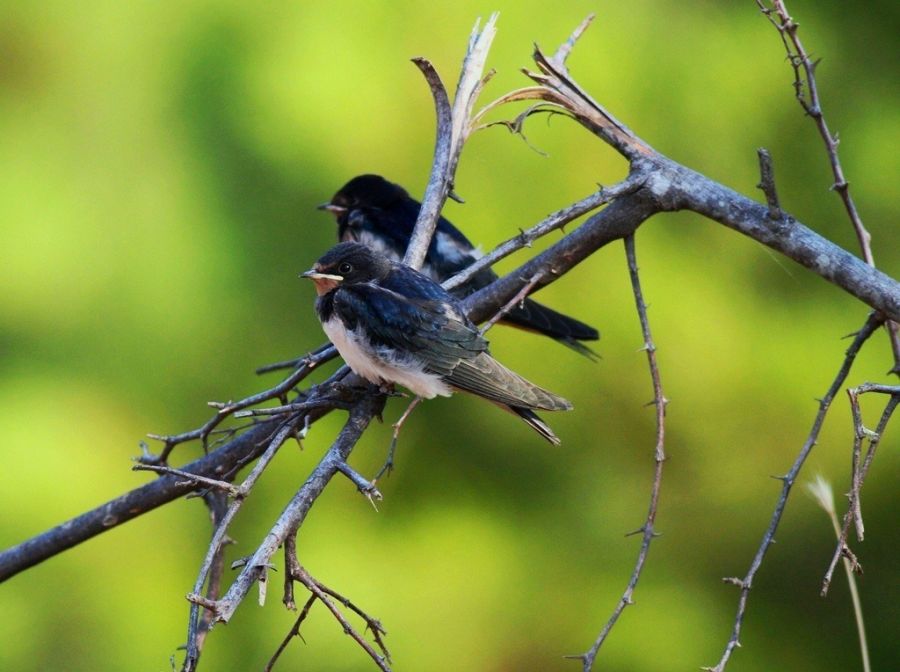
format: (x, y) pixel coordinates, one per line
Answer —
(616, 221)
(808, 96)
(453, 128)
(562, 53)
(787, 481)
(132, 504)
(807, 92)
(668, 186)
(216, 544)
(305, 366)
(324, 594)
(293, 632)
(513, 302)
(654, 184)
(295, 512)
(190, 479)
(217, 503)
(554, 221)
(660, 402)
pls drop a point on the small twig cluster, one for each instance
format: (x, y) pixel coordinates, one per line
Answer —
(859, 470)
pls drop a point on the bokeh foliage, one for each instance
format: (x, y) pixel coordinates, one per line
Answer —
(160, 166)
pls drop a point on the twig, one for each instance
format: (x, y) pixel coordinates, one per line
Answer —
(216, 544)
(190, 479)
(767, 183)
(294, 363)
(513, 302)
(860, 470)
(365, 486)
(820, 490)
(807, 92)
(557, 87)
(660, 402)
(295, 512)
(787, 481)
(554, 221)
(323, 594)
(225, 410)
(618, 220)
(217, 503)
(132, 504)
(324, 402)
(562, 53)
(453, 128)
(293, 632)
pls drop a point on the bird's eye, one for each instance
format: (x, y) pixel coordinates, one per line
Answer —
(345, 268)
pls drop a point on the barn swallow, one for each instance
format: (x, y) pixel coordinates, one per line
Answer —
(378, 213)
(392, 324)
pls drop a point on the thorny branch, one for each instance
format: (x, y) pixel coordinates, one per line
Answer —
(556, 220)
(304, 366)
(296, 572)
(217, 503)
(196, 629)
(787, 482)
(659, 402)
(807, 92)
(293, 632)
(859, 471)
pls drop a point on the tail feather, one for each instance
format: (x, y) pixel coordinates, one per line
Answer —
(535, 422)
(567, 330)
(485, 376)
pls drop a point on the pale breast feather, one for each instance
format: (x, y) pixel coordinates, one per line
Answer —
(382, 365)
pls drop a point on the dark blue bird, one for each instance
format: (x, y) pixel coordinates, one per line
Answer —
(392, 324)
(378, 213)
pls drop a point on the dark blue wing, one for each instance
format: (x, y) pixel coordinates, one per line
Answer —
(430, 330)
(404, 280)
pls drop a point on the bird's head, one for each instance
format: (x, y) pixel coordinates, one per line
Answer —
(347, 264)
(363, 191)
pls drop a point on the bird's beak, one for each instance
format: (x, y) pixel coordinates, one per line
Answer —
(325, 282)
(335, 210)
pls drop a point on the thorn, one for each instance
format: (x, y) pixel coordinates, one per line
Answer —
(372, 496)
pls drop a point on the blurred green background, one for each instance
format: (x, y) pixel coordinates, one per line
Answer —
(159, 170)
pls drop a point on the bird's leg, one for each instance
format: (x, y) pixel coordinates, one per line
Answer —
(389, 390)
(389, 463)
